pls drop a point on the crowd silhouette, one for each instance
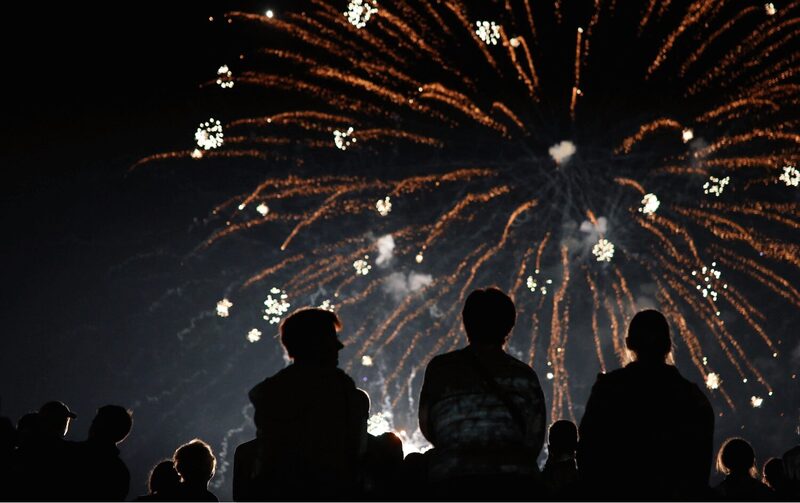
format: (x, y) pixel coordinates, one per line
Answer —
(646, 434)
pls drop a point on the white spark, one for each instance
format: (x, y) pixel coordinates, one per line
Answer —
(715, 185)
(384, 206)
(366, 361)
(254, 335)
(342, 139)
(196, 154)
(269, 13)
(277, 305)
(222, 308)
(359, 12)
(650, 204)
(378, 424)
(488, 31)
(790, 176)
(562, 152)
(224, 77)
(419, 258)
(327, 305)
(709, 281)
(362, 266)
(603, 250)
(770, 9)
(549, 375)
(687, 135)
(514, 42)
(263, 209)
(756, 401)
(713, 381)
(533, 284)
(209, 134)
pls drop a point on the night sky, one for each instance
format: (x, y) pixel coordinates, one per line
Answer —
(102, 281)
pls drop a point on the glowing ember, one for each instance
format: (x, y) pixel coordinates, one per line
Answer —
(209, 134)
(254, 335)
(488, 31)
(276, 305)
(359, 12)
(222, 308)
(603, 250)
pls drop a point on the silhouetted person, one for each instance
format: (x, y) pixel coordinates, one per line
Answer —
(41, 462)
(737, 460)
(244, 466)
(8, 437)
(100, 474)
(560, 473)
(163, 482)
(775, 478)
(413, 485)
(483, 410)
(311, 420)
(382, 463)
(791, 464)
(195, 463)
(646, 433)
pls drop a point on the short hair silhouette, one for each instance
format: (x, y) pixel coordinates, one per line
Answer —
(195, 462)
(54, 418)
(736, 456)
(488, 315)
(648, 335)
(563, 436)
(112, 424)
(775, 474)
(310, 331)
(163, 477)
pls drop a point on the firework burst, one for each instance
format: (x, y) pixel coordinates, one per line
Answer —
(525, 152)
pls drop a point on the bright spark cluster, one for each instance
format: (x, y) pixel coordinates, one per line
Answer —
(650, 204)
(716, 185)
(713, 381)
(488, 31)
(770, 9)
(209, 134)
(378, 424)
(533, 284)
(790, 176)
(359, 12)
(756, 401)
(196, 154)
(222, 308)
(708, 277)
(224, 77)
(687, 135)
(384, 206)
(276, 305)
(254, 335)
(262, 209)
(366, 361)
(603, 250)
(362, 266)
(327, 305)
(343, 139)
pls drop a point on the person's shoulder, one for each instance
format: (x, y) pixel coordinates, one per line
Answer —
(269, 384)
(445, 359)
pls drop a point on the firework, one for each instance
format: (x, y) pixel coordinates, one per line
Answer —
(276, 305)
(487, 151)
(222, 308)
(254, 335)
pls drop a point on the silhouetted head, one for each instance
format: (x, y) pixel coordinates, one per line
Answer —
(775, 474)
(195, 462)
(54, 418)
(309, 335)
(111, 424)
(791, 463)
(648, 336)
(736, 457)
(28, 424)
(489, 315)
(385, 449)
(563, 437)
(163, 478)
